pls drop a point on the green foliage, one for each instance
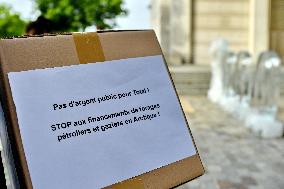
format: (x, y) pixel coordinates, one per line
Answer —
(75, 15)
(10, 23)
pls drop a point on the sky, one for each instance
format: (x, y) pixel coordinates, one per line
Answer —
(138, 17)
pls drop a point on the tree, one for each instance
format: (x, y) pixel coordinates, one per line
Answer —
(75, 15)
(11, 23)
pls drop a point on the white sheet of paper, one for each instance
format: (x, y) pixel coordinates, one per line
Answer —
(102, 157)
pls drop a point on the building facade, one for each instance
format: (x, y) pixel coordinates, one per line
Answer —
(186, 28)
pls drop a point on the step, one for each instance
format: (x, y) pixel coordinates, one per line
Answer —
(195, 79)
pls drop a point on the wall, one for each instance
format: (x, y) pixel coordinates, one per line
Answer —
(214, 19)
(277, 27)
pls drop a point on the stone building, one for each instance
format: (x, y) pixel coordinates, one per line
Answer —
(186, 28)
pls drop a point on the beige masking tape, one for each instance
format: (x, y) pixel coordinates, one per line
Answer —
(89, 48)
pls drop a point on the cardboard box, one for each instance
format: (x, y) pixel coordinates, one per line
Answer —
(38, 52)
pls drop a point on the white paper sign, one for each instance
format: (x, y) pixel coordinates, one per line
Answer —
(93, 125)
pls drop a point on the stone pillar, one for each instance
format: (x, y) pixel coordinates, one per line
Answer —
(259, 26)
(160, 21)
(180, 32)
(155, 17)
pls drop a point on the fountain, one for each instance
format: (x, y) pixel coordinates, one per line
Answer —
(218, 52)
(262, 118)
(249, 91)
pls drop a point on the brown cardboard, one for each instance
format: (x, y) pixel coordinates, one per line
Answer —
(30, 53)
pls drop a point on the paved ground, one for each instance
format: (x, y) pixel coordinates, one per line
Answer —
(233, 157)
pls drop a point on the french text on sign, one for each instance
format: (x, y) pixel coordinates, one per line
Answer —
(93, 125)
